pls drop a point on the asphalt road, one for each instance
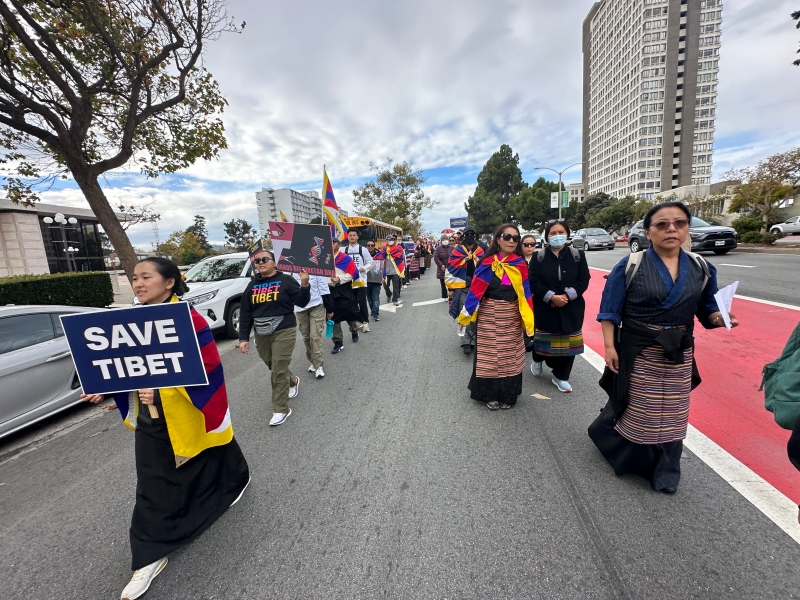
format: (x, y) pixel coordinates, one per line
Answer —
(774, 277)
(389, 482)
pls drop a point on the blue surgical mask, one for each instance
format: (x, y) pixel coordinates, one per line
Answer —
(557, 241)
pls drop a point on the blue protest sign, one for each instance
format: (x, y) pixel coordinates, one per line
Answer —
(458, 222)
(135, 348)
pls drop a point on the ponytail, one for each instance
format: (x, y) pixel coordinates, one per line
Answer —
(169, 270)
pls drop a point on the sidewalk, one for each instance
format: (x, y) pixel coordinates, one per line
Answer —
(123, 292)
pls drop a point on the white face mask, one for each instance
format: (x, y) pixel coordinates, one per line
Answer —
(390, 243)
(445, 242)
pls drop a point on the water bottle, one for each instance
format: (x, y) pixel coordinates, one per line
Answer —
(462, 329)
(329, 328)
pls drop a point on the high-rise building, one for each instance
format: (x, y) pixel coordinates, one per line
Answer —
(297, 207)
(649, 95)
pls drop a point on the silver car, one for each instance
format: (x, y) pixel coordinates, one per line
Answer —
(37, 375)
(592, 238)
(789, 227)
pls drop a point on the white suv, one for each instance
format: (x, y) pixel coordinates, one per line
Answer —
(789, 227)
(216, 284)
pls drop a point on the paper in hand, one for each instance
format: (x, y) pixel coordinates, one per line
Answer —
(724, 298)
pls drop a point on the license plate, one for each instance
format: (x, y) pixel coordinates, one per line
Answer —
(720, 243)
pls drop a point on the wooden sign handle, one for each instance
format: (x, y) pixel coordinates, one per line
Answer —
(153, 411)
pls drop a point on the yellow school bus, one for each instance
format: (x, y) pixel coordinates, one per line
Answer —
(372, 229)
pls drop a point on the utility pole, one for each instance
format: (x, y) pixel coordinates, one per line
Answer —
(559, 180)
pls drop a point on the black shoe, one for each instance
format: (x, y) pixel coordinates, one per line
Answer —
(355, 338)
(376, 318)
(467, 349)
(669, 490)
(337, 347)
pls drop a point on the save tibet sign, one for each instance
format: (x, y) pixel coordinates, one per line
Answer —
(135, 348)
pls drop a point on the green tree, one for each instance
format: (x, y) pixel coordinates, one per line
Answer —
(239, 234)
(615, 216)
(531, 208)
(183, 247)
(762, 187)
(88, 86)
(199, 230)
(592, 204)
(484, 211)
(396, 196)
(501, 180)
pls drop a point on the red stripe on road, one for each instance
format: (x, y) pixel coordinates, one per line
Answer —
(727, 407)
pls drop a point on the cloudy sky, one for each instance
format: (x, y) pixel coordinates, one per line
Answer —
(440, 83)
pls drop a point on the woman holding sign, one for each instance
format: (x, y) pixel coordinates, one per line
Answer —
(647, 314)
(189, 468)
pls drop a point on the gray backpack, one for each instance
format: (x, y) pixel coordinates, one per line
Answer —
(635, 260)
(575, 254)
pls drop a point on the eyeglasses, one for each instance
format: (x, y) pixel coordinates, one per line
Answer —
(527, 245)
(551, 221)
(370, 245)
(258, 261)
(664, 225)
(507, 237)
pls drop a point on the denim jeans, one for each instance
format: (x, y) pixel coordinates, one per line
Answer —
(374, 298)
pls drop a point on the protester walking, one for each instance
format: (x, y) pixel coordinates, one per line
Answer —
(440, 256)
(345, 303)
(647, 315)
(559, 276)
(363, 260)
(424, 252)
(500, 303)
(393, 256)
(267, 306)
(374, 282)
(189, 467)
(458, 277)
(311, 320)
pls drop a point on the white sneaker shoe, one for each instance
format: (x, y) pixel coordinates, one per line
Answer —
(320, 373)
(311, 368)
(279, 418)
(295, 389)
(142, 578)
(536, 368)
(563, 386)
(365, 327)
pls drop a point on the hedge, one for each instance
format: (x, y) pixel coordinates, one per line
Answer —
(91, 288)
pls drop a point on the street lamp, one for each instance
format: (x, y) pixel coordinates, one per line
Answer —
(559, 180)
(62, 222)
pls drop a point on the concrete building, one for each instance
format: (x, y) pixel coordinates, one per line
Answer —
(576, 192)
(297, 207)
(649, 95)
(29, 246)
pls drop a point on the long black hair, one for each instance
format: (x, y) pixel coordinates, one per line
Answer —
(169, 270)
(648, 218)
(494, 247)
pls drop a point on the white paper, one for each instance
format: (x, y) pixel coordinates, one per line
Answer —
(724, 298)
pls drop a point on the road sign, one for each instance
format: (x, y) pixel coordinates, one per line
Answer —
(553, 199)
(565, 199)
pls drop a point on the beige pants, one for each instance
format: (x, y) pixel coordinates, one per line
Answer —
(311, 324)
(276, 351)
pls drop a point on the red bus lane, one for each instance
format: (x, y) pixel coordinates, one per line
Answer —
(727, 407)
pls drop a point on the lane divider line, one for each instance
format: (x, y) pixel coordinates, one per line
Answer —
(770, 302)
(773, 504)
(426, 302)
(740, 266)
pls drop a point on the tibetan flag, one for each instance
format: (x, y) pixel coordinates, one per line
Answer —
(347, 264)
(455, 275)
(394, 253)
(283, 217)
(338, 228)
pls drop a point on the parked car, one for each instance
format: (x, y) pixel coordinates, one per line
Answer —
(788, 227)
(37, 375)
(592, 238)
(623, 239)
(215, 291)
(705, 237)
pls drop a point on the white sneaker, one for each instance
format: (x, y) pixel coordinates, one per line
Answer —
(279, 418)
(563, 386)
(295, 389)
(311, 368)
(320, 373)
(536, 368)
(365, 327)
(142, 578)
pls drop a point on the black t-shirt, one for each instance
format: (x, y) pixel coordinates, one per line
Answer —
(271, 297)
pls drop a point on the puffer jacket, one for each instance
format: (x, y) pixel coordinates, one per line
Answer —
(440, 257)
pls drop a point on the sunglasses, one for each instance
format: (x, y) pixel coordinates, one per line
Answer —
(551, 221)
(370, 245)
(258, 261)
(527, 245)
(664, 225)
(507, 237)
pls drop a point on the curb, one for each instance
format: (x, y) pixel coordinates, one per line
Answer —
(743, 248)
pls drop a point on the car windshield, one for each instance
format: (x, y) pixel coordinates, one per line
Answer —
(216, 269)
(699, 223)
(596, 231)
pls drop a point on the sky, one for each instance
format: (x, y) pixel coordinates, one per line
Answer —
(439, 83)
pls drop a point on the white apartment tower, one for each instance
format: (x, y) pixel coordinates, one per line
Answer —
(649, 95)
(297, 207)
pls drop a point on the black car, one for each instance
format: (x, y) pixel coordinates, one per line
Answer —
(705, 237)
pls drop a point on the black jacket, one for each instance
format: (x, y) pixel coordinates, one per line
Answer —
(271, 297)
(544, 277)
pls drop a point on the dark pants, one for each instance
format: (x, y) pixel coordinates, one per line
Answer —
(561, 365)
(393, 283)
(361, 298)
(374, 298)
(444, 288)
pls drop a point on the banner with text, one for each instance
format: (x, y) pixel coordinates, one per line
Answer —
(458, 222)
(141, 347)
(300, 246)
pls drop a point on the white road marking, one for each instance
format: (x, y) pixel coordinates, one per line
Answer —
(437, 301)
(760, 493)
(770, 302)
(740, 266)
(389, 307)
(540, 397)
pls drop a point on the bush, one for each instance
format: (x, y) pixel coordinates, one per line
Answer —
(756, 237)
(91, 288)
(744, 225)
(768, 238)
